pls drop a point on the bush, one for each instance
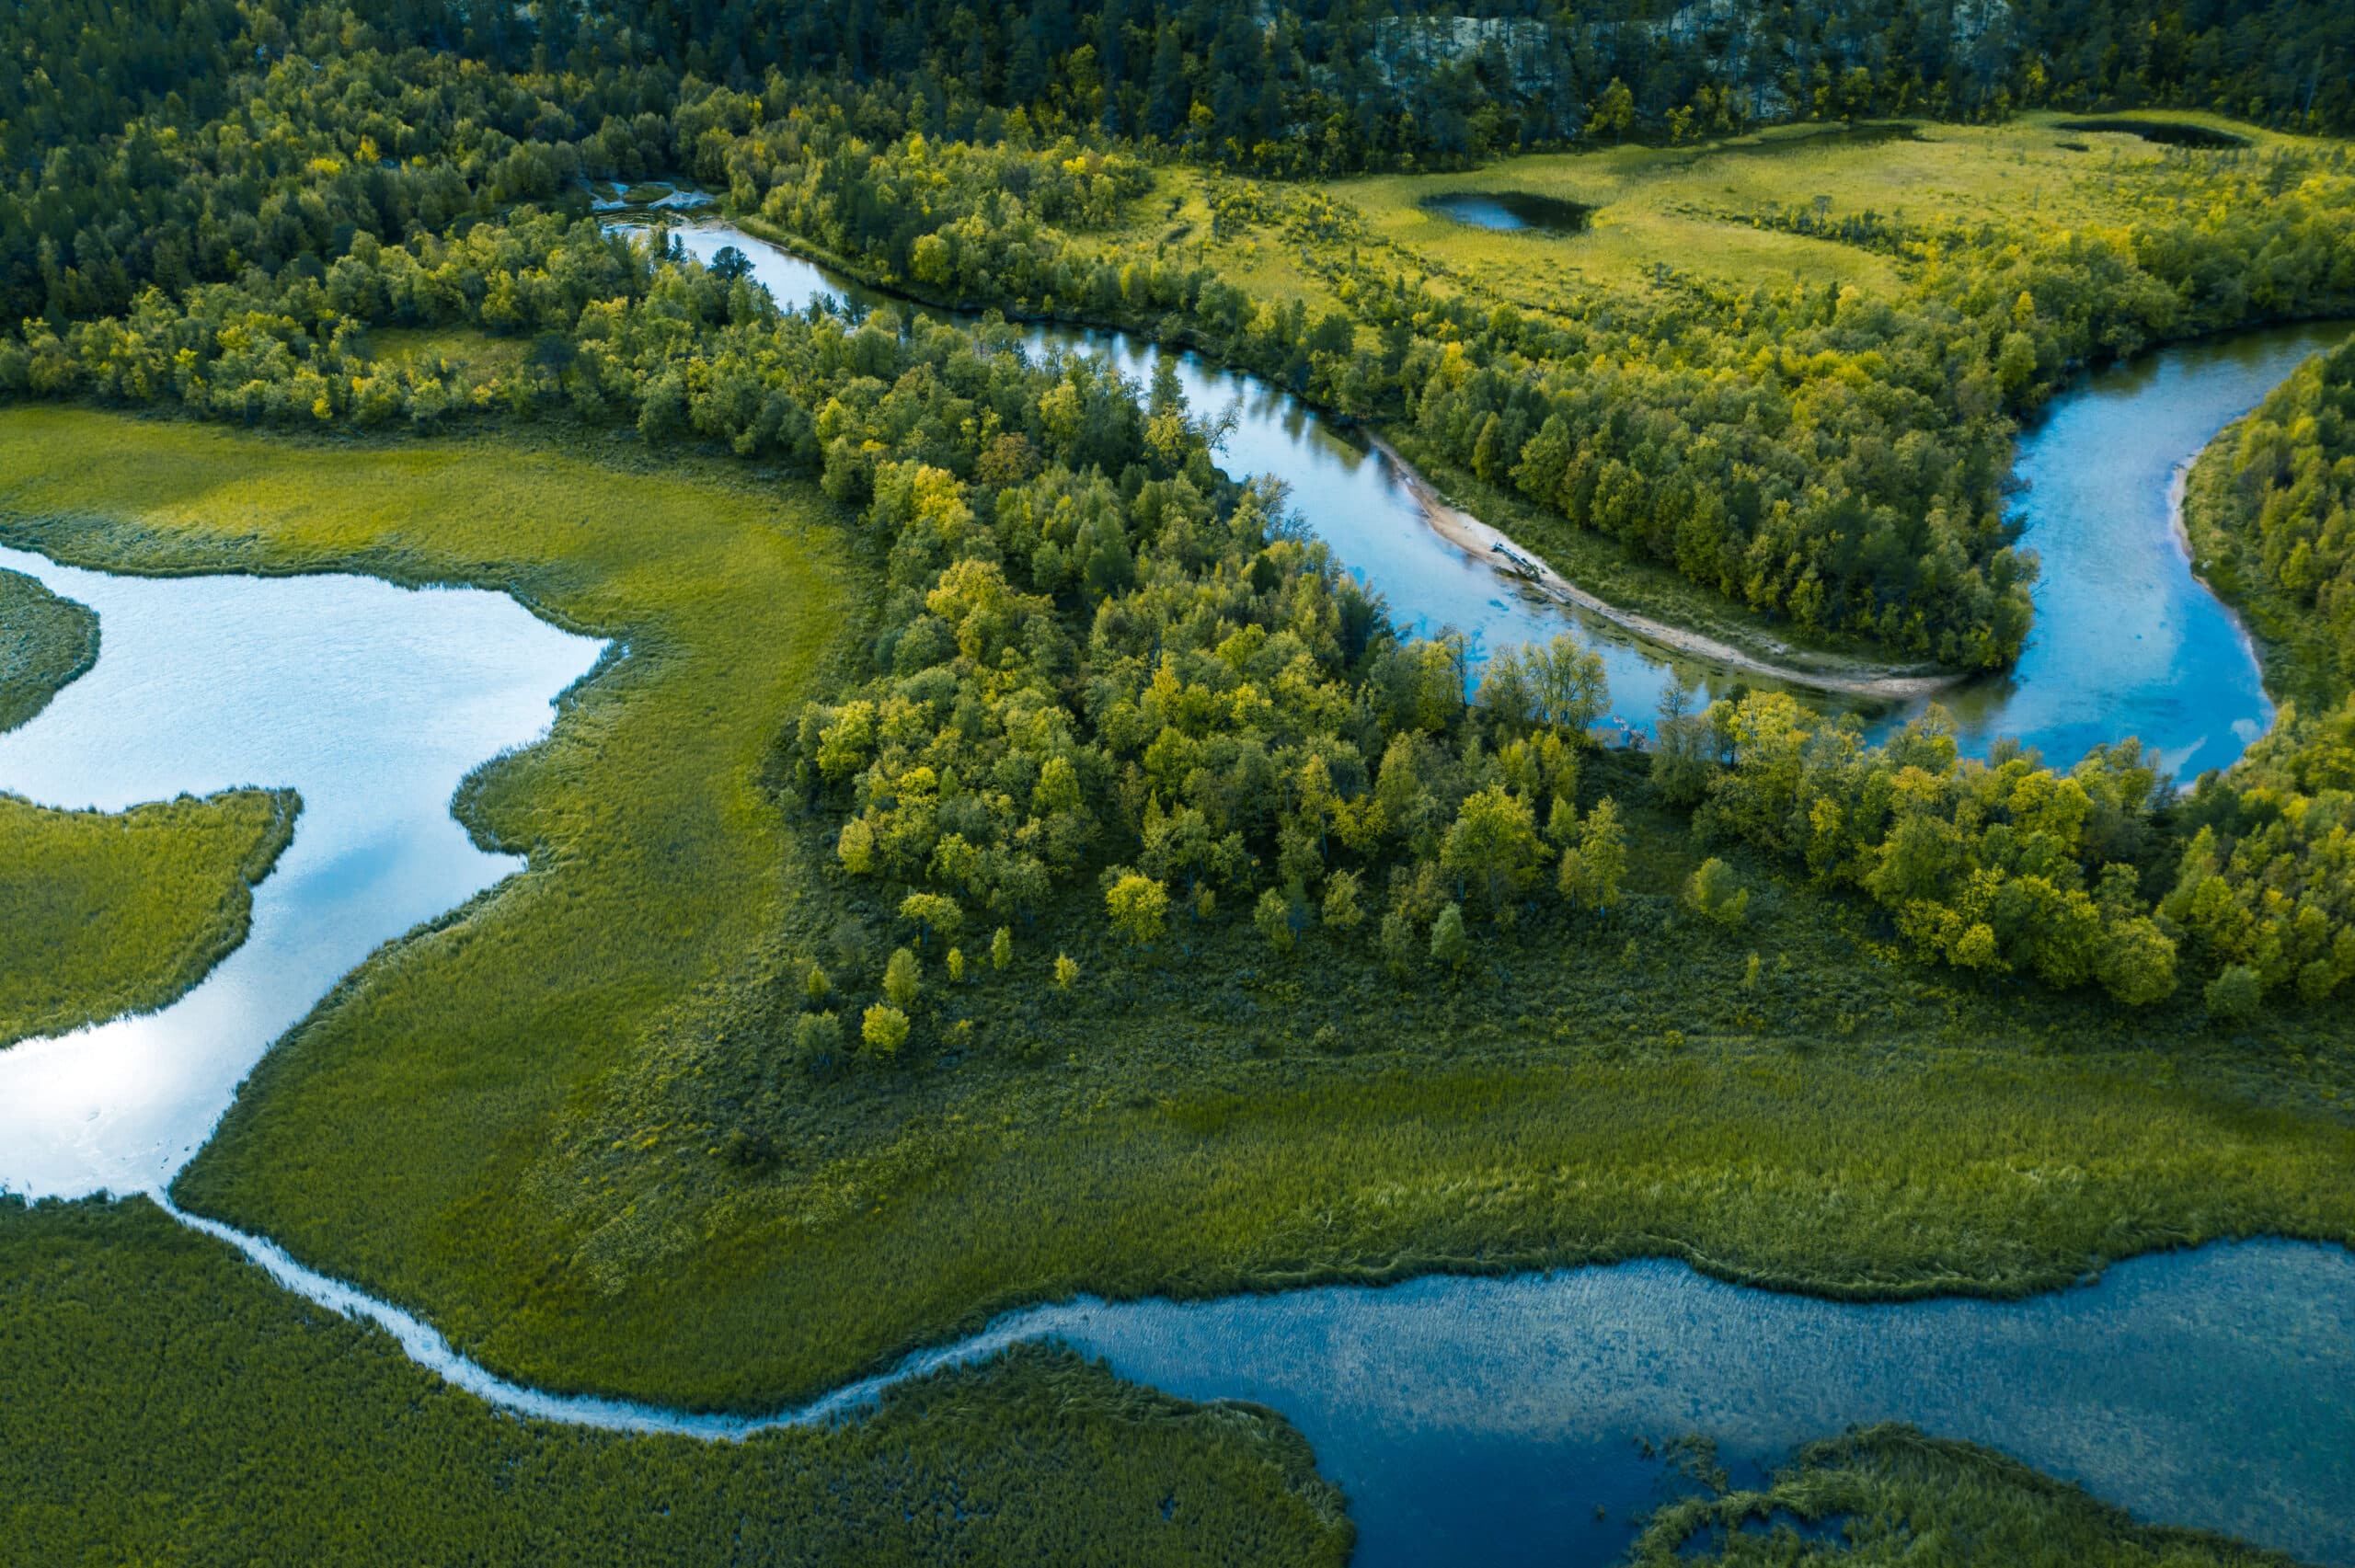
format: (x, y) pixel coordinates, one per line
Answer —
(885, 1030)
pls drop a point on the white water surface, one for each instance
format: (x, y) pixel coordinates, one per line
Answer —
(373, 702)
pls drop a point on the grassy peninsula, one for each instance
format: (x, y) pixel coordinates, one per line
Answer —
(106, 913)
(1890, 1495)
(45, 643)
(319, 1441)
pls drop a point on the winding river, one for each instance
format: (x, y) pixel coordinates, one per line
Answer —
(2126, 641)
(1473, 1420)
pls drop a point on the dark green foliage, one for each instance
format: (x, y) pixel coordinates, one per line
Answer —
(162, 1400)
(1890, 1495)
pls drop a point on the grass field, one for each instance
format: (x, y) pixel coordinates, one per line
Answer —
(521, 1124)
(163, 1401)
(103, 914)
(1662, 213)
(1888, 1495)
(45, 643)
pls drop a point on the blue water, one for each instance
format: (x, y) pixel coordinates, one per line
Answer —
(1483, 1420)
(2126, 642)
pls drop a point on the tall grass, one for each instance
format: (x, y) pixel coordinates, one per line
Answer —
(106, 913)
(161, 1401)
(45, 643)
(570, 1129)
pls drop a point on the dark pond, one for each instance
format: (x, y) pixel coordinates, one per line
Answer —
(1512, 210)
(2167, 131)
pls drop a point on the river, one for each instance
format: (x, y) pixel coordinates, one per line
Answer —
(2127, 641)
(1471, 1420)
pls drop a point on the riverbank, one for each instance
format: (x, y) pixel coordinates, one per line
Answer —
(1492, 545)
(519, 1124)
(103, 914)
(262, 1429)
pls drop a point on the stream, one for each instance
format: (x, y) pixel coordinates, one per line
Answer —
(1488, 1420)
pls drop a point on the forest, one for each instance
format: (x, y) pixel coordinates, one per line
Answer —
(1099, 658)
(1002, 809)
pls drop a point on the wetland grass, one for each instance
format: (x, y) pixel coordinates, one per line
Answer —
(103, 914)
(45, 644)
(569, 1127)
(1889, 1494)
(162, 1401)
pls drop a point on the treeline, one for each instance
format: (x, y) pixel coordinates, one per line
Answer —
(1833, 462)
(1338, 86)
(1099, 656)
(2289, 515)
(2265, 891)
(1812, 454)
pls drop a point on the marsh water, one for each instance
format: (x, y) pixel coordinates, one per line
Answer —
(373, 701)
(1469, 1420)
(2126, 641)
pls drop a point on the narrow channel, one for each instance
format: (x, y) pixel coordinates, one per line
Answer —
(1500, 1419)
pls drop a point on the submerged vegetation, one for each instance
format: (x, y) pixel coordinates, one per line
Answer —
(46, 642)
(1890, 1495)
(318, 1440)
(106, 913)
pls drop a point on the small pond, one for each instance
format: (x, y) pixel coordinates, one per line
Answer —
(2167, 133)
(1512, 210)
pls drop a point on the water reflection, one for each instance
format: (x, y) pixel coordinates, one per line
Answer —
(1484, 1419)
(372, 700)
(2127, 642)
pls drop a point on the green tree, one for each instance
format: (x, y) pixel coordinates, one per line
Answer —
(2236, 993)
(2137, 962)
(1615, 111)
(1001, 948)
(1397, 942)
(1488, 459)
(1344, 910)
(885, 1030)
(929, 913)
(1714, 892)
(902, 978)
(817, 1041)
(1493, 846)
(1066, 972)
(1449, 945)
(1138, 906)
(1603, 849)
(816, 986)
(1272, 915)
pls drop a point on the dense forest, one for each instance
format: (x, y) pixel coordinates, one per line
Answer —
(1098, 656)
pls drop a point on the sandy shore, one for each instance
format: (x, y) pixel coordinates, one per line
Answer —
(1474, 537)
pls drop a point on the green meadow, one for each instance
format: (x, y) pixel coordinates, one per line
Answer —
(569, 1127)
(106, 913)
(261, 1429)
